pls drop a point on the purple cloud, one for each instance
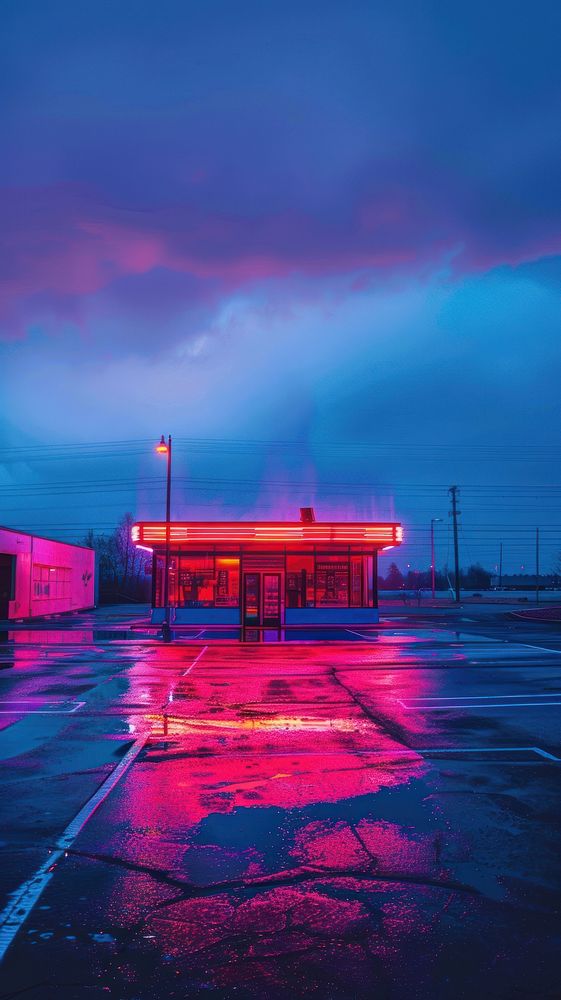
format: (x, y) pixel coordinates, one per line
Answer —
(63, 243)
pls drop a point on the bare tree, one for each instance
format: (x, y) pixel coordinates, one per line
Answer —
(121, 566)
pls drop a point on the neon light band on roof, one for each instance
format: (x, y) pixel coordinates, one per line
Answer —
(384, 534)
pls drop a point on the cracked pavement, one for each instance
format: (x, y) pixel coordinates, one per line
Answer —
(346, 820)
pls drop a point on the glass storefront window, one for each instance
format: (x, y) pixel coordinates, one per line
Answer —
(199, 581)
(227, 591)
(158, 582)
(332, 581)
(356, 596)
(299, 581)
(195, 582)
(368, 581)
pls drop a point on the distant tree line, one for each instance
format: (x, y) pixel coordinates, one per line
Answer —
(475, 577)
(124, 572)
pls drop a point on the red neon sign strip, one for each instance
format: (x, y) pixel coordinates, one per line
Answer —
(278, 532)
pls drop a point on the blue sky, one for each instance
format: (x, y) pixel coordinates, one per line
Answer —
(326, 236)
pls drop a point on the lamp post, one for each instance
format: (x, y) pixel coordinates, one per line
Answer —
(164, 448)
(434, 520)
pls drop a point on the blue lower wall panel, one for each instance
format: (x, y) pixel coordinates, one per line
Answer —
(293, 616)
(332, 616)
(198, 616)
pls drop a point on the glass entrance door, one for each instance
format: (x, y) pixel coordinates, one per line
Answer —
(252, 599)
(262, 600)
(271, 600)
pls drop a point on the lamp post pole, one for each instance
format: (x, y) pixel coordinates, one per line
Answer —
(434, 520)
(165, 449)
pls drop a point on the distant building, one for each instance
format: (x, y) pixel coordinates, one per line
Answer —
(267, 575)
(525, 581)
(39, 576)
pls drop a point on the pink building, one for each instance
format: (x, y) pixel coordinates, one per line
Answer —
(39, 576)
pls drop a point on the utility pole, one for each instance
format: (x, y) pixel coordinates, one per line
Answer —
(434, 520)
(453, 491)
(537, 565)
(501, 567)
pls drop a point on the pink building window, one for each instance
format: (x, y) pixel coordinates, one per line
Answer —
(51, 582)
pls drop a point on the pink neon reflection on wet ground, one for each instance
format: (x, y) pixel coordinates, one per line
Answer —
(251, 748)
(278, 835)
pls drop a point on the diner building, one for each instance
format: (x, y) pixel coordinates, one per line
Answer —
(267, 574)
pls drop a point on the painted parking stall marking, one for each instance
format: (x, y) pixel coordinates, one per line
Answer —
(195, 661)
(386, 755)
(28, 893)
(444, 704)
(38, 706)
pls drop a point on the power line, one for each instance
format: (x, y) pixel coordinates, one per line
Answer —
(520, 450)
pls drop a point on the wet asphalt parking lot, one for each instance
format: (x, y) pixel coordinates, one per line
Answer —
(377, 817)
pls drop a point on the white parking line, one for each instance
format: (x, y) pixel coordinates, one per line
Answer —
(393, 752)
(538, 750)
(479, 704)
(26, 896)
(367, 638)
(514, 642)
(195, 661)
(528, 645)
(478, 697)
(40, 709)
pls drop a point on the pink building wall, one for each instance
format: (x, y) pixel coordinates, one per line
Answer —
(50, 577)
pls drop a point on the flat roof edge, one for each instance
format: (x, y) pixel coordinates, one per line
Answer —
(316, 525)
(46, 538)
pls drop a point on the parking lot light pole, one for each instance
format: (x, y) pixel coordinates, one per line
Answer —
(164, 448)
(434, 520)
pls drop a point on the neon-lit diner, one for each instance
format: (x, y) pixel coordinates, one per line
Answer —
(266, 574)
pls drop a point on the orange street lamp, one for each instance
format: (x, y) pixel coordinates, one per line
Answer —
(165, 449)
